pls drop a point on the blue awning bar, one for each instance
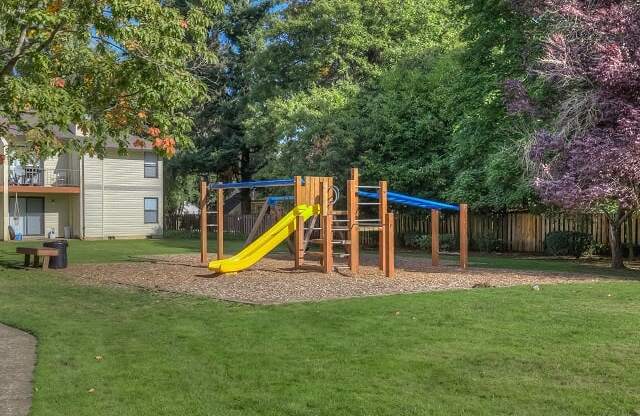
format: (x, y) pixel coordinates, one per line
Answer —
(411, 201)
(272, 200)
(270, 183)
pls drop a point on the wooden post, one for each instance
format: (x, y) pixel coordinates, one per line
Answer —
(298, 254)
(354, 233)
(327, 243)
(204, 256)
(464, 236)
(435, 238)
(324, 197)
(220, 224)
(390, 249)
(382, 236)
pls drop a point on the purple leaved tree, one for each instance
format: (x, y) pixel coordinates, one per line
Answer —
(590, 159)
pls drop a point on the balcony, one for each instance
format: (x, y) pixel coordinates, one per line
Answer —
(38, 180)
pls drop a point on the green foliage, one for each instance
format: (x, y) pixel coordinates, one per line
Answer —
(448, 242)
(488, 244)
(567, 243)
(113, 68)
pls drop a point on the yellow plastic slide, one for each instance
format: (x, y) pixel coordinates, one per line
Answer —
(259, 248)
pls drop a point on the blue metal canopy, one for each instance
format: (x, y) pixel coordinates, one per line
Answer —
(411, 201)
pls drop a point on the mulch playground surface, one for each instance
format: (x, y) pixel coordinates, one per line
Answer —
(274, 281)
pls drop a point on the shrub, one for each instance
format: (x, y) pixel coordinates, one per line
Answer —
(419, 241)
(567, 243)
(490, 244)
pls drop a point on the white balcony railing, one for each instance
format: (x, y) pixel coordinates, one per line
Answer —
(32, 176)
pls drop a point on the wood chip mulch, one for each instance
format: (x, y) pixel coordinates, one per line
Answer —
(274, 281)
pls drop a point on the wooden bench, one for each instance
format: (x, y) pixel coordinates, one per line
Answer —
(37, 252)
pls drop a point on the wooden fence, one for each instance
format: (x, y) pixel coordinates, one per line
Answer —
(514, 232)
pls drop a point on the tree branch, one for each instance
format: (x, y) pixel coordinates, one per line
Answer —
(18, 51)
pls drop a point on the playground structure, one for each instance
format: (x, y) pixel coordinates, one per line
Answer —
(313, 213)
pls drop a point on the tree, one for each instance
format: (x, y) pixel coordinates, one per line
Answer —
(222, 147)
(590, 160)
(113, 68)
(351, 86)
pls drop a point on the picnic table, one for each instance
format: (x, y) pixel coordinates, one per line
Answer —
(37, 252)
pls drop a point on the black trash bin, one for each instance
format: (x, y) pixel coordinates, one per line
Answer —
(59, 261)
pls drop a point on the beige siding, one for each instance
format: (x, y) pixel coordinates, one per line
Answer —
(114, 192)
(56, 214)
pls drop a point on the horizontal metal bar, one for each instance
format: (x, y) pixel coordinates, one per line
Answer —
(340, 229)
(368, 203)
(253, 184)
(369, 186)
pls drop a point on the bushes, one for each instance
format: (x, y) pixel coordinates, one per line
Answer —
(567, 243)
(490, 244)
(419, 241)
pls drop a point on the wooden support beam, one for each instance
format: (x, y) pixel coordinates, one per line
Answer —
(355, 176)
(435, 238)
(382, 244)
(220, 224)
(324, 197)
(327, 243)
(298, 254)
(256, 224)
(390, 263)
(464, 236)
(204, 256)
(352, 224)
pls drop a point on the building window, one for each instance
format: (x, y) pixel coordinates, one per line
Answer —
(27, 215)
(151, 210)
(150, 165)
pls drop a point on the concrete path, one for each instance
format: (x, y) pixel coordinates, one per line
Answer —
(17, 359)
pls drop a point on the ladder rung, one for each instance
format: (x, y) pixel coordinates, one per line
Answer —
(369, 220)
(212, 225)
(368, 203)
(314, 229)
(336, 242)
(340, 220)
(369, 228)
(369, 186)
(340, 212)
(341, 255)
(340, 229)
(341, 266)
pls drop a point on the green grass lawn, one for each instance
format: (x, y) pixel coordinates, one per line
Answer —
(105, 251)
(566, 349)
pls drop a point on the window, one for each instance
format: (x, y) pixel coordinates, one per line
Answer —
(27, 216)
(150, 165)
(151, 210)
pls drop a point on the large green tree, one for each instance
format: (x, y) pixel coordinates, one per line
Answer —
(113, 68)
(222, 148)
(351, 83)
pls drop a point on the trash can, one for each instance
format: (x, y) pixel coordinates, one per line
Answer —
(59, 261)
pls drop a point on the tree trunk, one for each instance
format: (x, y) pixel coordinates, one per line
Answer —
(615, 228)
(245, 175)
